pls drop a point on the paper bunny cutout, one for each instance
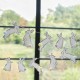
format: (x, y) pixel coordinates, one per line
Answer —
(8, 32)
(72, 40)
(21, 67)
(44, 42)
(8, 65)
(60, 41)
(53, 62)
(35, 65)
(65, 54)
(27, 38)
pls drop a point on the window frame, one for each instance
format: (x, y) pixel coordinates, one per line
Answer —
(37, 38)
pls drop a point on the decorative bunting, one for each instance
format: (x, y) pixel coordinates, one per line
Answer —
(8, 65)
(28, 43)
(53, 62)
(65, 54)
(59, 43)
(27, 38)
(72, 40)
(44, 42)
(35, 65)
(8, 32)
(21, 67)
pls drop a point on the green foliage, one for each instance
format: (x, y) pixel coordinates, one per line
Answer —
(63, 17)
(17, 39)
(31, 23)
(8, 17)
(71, 74)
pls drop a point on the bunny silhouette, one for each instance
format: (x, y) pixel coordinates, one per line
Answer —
(60, 41)
(72, 40)
(8, 65)
(65, 54)
(27, 38)
(45, 41)
(21, 67)
(53, 62)
(35, 65)
(8, 32)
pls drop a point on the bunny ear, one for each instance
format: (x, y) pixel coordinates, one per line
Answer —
(72, 34)
(60, 34)
(46, 34)
(27, 30)
(65, 49)
(53, 55)
(32, 30)
(14, 23)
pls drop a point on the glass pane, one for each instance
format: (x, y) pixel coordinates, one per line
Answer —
(13, 46)
(65, 70)
(51, 45)
(61, 13)
(14, 74)
(20, 11)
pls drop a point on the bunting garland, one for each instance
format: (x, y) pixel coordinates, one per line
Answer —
(27, 41)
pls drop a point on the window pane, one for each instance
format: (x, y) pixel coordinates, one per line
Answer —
(14, 74)
(65, 70)
(61, 13)
(20, 11)
(51, 46)
(13, 45)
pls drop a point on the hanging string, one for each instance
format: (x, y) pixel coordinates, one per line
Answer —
(38, 58)
(60, 28)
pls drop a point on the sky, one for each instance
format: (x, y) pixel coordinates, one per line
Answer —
(27, 8)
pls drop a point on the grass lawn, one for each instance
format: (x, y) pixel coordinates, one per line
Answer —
(15, 50)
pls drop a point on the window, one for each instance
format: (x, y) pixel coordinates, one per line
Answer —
(60, 13)
(41, 18)
(60, 17)
(23, 13)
